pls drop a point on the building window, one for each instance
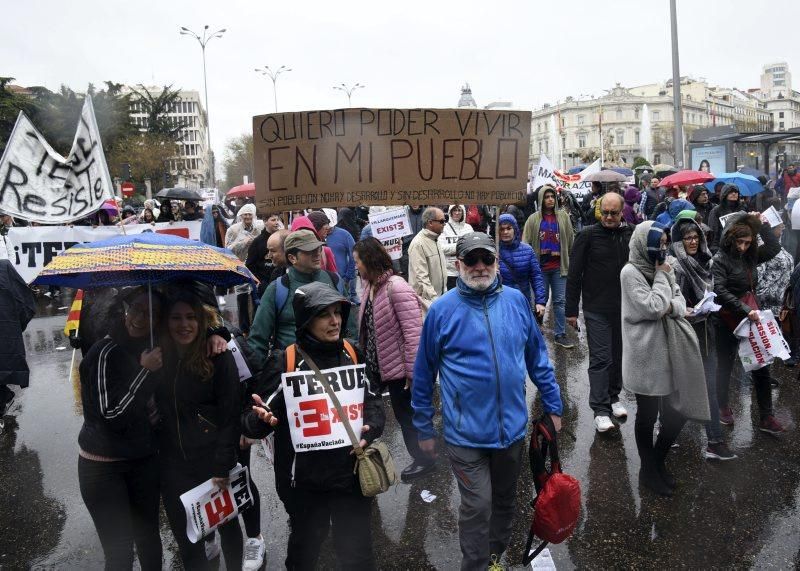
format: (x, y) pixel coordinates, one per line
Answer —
(546, 146)
(620, 137)
(636, 137)
(581, 141)
(619, 115)
(780, 125)
(539, 127)
(581, 119)
(780, 115)
(656, 116)
(541, 147)
(636, 113)
(563, 142)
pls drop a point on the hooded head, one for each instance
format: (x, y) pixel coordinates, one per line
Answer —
(677, 206)
(546, 189)
(647, 248)
(682, 227)
(247, 209)
(320, 221)
(461, 221)
(303, 222)
(312, 299)
(738, 229)
(509, 219)
(632, 195)
(726, 191)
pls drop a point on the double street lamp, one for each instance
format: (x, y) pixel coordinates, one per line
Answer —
(273, 75)
(349, 90)
(203, 41)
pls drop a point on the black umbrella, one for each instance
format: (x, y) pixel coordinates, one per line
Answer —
(179, 194)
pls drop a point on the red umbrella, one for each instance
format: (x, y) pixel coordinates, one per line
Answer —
(686, 178)
(249, 189)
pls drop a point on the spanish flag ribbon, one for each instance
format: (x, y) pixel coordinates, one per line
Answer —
(74, 316)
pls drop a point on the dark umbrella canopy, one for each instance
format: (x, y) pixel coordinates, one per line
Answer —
(605, 176)
(178, 193)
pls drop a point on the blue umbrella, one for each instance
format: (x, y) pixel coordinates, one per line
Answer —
(748, 185)
(623, 170)
(576, 169)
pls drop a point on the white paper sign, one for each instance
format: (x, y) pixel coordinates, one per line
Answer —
(392, 223)
(773, 217)
(38, 184)
(544, 561)
(763, 342)
(207, 506)
(30, 248)
(241, 363)
(546, 173)
(313, 420)
(724, 219)
(394, 248)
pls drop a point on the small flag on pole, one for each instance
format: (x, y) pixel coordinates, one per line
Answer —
(74, 316)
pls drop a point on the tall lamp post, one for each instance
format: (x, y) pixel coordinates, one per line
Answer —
(676, 87)
(273, 75)
(203, 41)
(349, 90)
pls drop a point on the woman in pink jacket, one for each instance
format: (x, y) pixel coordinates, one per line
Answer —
(390, 323)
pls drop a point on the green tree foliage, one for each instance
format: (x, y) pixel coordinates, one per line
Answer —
(146, 153)
(157, 108)
(640, 162)
(238, 161)
(10, 105)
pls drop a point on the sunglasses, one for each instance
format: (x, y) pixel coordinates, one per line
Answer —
(472, 258)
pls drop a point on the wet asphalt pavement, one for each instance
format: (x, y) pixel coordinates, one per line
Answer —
(739, 514)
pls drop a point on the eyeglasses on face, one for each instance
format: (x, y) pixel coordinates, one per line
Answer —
(610, 213)
(690, 239)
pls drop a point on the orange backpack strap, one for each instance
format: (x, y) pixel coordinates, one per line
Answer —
(291, 358)
(351, 351)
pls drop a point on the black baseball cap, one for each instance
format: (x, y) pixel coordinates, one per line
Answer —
(474, 241)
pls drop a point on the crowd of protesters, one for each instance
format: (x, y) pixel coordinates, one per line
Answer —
(464, 307)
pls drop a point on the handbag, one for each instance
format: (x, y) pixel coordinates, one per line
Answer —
(732, 318)
(374, 464)
(786, 312)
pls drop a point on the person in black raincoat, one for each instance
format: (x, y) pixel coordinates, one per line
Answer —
(17, 306)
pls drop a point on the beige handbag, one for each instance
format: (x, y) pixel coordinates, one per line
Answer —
(374, 464)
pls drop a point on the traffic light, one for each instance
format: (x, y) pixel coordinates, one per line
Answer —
(126, 172)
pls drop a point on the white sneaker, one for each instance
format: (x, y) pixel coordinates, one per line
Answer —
(618, 410)
(212, 547)
(254, 551)
(603, 423)
(221, 300)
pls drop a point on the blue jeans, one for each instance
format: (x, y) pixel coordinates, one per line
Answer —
(350, 291)
(555, 282)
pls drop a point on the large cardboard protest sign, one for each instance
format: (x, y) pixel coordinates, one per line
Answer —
(207, 506)
(38, 184)
(30, 248)
(313, 420)
(390, 156)
(546, 173)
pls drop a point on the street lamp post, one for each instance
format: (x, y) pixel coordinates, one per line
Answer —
(349, 90)
(676, 88)
(203, 41)
(273, 75)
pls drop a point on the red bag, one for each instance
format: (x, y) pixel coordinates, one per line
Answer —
(558, 496)
(473, 215)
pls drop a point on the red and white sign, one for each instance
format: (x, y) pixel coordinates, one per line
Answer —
(127, 188)
(208, 506)
(760, 342)
(313, 420)
(390, 224)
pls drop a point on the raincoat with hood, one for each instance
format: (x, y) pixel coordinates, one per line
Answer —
(566, 235)
(449, 236)
(212, 232)
(481, 370)
(519, 265)
(675, 207)
(660, 353)
(630, 213)
(724, 207)
(239, 236)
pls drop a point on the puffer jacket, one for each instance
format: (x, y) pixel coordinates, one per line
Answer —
(734, 273)
(519, 266)
(566, 233)
(481, 368)
(398, 324)
(449, 238)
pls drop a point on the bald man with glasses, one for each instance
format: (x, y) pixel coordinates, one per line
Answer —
(598, 255)
(427, 267)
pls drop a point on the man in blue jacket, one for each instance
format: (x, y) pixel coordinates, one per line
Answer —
(481, 340)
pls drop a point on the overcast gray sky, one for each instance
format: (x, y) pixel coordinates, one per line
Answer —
(408, 54)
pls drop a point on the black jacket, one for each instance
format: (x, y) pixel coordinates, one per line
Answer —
(200, 419)
(735, 274)
(17, 307)
(723, 208)
(598, 256)
(115, 391)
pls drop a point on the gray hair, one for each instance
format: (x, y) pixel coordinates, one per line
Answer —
(428, 215)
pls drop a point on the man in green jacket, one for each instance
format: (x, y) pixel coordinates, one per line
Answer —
(304, 255)
(549, 232)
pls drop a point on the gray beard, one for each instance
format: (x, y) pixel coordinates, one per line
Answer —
(479, 284)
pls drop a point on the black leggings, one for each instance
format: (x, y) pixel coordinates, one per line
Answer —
(252, 515)
(177, 477)
(648, 409)
(122, 498)
(401, 405)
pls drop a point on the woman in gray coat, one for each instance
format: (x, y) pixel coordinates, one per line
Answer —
(661, 360)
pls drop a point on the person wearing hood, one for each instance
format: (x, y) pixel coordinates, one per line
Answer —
(118, 466)
(661, 362)
(678, 205)
(341, 243)
(482, 369)
(213, 230)
(519, 265)
(314, 460)
(320, 229)
(549, 232)
(257, 260)
(238, 239)
(728, 204)
(630, 213)
(349, 222)
(735, 281)
(456, 227)
(692, 266)
(702, 203)
(599, 253)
